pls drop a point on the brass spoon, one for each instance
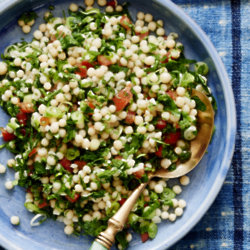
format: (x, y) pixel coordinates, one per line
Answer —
(198, 147)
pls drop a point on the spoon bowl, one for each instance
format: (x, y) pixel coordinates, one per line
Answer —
(199, 145)
(198, 148)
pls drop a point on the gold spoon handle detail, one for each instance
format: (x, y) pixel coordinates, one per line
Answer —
(117, 222)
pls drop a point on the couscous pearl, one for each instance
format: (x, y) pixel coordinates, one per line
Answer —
(178, 211)
(170, 43)
(73, 7)
(21, 22)
(68, 230)
(184, 180)
(152, 26)
(69, 214)
(140, 15)
(175, 202)
(148, 18)
(158, 188)
(26, 29)
(172, 217)
(11, 163)
(2, 169)
(180, 91)
(102, 205)
(89, 2)
(54, 128)
(62, 132)
(164, 215)
(51, 160)
(3, 68)
(118, 145)
(9, 185)
(101, 2)
(97, 215)
(78, 188)
(141, 130)
(99, 126)
(186, 108)
(43, 151)
(156, 220)
(93, 186)
(178, 150)
(119, 8)
(182, 203)
(87, 217)
(193, 112)
(152, 184)
(177, 189)
(15, 220)
(165, 77)
(165, 116)
(165, 163)
(160, 32)
(94, 144)
(180, 102)
(38, 35)
(165, 207)
(138, 120)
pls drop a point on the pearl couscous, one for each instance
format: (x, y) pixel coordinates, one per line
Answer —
(96, 102)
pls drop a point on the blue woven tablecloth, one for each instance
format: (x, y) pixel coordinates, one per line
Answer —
(226, 224)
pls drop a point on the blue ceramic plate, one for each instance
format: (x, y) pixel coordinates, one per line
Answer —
(206, 179)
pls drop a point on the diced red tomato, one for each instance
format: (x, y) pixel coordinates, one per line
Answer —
(22, 118)
(44, 121)
(122, 200)
(43, 204)
(83, 68)
(31, 168)
(130, 117)
(23, 131)
(104, 60)
(118, 157)
(159, 152)
(161, 124)
(87, 64)
(172, 94)
(172, 138)
(33, 152)
(66, 164)
(112, 3)
(144, 237)
(167, 57)
(26, 107)
(125, 22)
(91, 105)
(73, 200)
(80, 164)
(142, 35)
(138, 174)
(81, 71)
(122, 99)
(7, 136)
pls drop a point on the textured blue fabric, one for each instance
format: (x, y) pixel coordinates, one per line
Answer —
(226, 224)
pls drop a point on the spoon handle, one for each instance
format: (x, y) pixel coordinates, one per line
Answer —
(117, 221)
